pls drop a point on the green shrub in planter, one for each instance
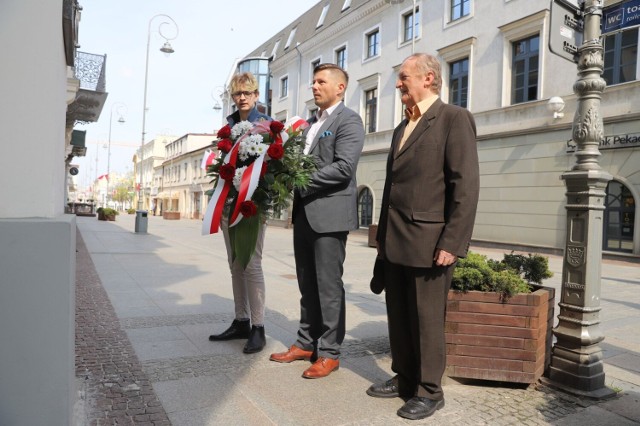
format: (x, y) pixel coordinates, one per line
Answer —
(512, 275)
(131, 211)
(110, 212)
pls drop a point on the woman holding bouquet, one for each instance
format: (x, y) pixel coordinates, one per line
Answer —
(248, 283)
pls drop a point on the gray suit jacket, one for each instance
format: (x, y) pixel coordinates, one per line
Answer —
(330, 200)
(431, 189)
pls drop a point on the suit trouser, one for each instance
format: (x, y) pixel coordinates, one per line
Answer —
(319, 266)
(247, 284)
(416, 308)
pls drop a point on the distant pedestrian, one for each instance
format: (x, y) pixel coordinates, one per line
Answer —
(428, 210)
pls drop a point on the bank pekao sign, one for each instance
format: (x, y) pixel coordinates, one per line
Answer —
(612, 142)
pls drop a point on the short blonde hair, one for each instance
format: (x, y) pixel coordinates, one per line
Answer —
(244, 80)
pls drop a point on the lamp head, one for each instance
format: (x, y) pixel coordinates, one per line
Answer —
(217, 106)
(167, 49)
(556, 105)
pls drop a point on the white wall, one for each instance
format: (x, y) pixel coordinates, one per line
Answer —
(37, 241)
(33, 108)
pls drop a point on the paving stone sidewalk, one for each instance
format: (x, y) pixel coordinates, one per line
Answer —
(113, 388)
(146, 304)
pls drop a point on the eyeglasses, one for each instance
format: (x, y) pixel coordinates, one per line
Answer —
(245, 93)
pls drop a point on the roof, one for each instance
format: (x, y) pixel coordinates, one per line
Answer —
(306, 26)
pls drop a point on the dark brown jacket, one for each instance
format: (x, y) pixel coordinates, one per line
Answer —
(431, 189)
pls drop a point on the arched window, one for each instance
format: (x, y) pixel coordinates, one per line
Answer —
(619, 217)
(365, 207)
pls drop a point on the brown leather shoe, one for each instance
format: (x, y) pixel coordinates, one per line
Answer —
(293, 354)
(321, 368)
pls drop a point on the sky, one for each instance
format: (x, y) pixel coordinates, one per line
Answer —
(211, 35)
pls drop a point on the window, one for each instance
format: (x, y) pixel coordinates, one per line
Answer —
(365, 207)
(284, 86)
(275, 48)
(373, 43)
(460, 9)
(313, 66)
(312, 112)
(619, 218)
(292, 34)
(411, 25)
(524, 82)
(459, 82)
(323, 15)
(371, 108)
(341, 57)
(620, 57)
(346, 5)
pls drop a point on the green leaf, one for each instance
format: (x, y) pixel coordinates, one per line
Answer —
(243, 238)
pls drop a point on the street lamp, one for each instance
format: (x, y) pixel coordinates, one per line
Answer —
(118, 106)
(167, 50)
(413, 22)
(217, 94)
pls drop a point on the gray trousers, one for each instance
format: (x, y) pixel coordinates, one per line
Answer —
(319, 266)
(248, 284)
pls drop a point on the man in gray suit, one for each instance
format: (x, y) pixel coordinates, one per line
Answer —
(426, 221)
(323, 215)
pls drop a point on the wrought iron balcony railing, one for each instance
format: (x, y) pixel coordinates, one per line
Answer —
(90, 70)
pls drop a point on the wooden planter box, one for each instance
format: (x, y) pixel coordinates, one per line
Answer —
(171, 215)
(491, 340)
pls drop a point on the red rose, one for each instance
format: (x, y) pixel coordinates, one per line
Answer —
(275, 151)
(276, 127)
(225, 145)
(225, 132)
(263, 171)
(227, 171)
(248, 208)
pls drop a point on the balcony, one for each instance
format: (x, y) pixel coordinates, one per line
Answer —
(90, 99)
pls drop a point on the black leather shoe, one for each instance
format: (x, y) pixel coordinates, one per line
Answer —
(388, 389)
(419, 407)
(239, 329)
(256, 340)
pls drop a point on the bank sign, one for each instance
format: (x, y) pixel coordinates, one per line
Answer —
(612, 142)
(620, 16)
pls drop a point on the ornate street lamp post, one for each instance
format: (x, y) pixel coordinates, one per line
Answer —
(118, 106)
(167, 49)
(576, 360)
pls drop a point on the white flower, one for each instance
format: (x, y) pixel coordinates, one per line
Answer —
(249, 146)
(238, 177)
(240, 129)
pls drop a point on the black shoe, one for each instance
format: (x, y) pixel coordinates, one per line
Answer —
(256, 340)
(419, 407)
(239, 329)
(388, 389)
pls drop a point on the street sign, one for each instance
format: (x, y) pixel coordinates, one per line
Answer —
(565, 30)
(620, 16)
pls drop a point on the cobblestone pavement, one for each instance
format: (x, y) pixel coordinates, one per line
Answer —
(146, 304)
(114, 389)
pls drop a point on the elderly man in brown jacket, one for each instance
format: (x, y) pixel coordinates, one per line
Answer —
(428, 210)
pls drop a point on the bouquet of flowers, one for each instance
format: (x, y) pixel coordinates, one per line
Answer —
(258, 167)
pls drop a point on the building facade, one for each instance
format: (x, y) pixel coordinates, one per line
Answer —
(181, 180)
(42, 83)
(496, 62)
(144, 166)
